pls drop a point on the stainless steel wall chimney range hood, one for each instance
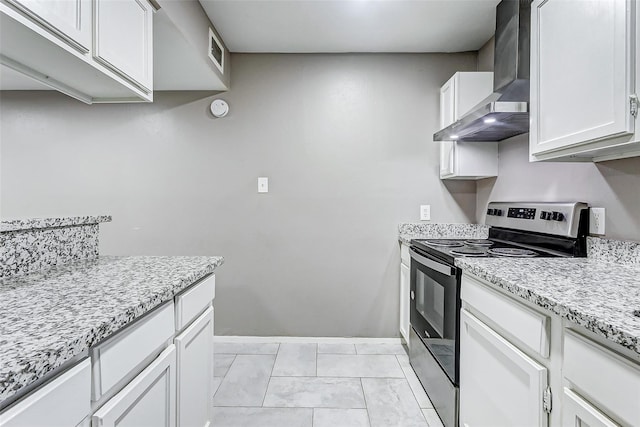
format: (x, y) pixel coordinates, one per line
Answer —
(504, 113)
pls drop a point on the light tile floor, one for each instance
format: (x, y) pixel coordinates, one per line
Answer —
(317, 385)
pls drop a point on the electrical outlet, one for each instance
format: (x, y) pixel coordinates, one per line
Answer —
(425, 212)
(596, 221)
(263, 184)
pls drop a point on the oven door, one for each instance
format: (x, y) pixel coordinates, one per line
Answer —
(435, 309)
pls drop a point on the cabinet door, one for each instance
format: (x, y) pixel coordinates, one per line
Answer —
(124, 38)
(579, 413)
(499, 384)
(404, 301)
(195, 372)
(447, 116)
(581, 72)
(68, 19)
(148, 400)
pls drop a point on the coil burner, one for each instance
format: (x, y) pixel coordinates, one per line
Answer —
(513, 252)
(470, 252)
(444, 243)
(478, 242)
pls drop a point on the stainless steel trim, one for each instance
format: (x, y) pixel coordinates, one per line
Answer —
(440, 268)
(441, 391)
(509, 119)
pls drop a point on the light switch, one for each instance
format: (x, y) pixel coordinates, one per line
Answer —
(263, 184)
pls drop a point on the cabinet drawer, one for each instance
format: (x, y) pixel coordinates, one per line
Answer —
(405, 257)
(608, 380)
(64, 401)
(578, 412)
(527, 326)
(124, 354)
(194, 301)
(148, 400)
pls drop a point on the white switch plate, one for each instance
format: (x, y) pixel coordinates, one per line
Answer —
(596, 221)
(263, 184)
(425, 212)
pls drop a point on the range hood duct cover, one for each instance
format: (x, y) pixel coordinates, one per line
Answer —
(504, 113)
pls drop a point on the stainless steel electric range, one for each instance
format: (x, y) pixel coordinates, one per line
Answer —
(517, 230)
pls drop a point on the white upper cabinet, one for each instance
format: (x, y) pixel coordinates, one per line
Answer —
(583, 82)
(68, 19)
(94, 51)
(465, 160)
(124, 38)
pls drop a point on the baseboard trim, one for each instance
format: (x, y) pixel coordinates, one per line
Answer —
(318, 340)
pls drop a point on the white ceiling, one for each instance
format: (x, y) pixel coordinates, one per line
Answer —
(299, 26)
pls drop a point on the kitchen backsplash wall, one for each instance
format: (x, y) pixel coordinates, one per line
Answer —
(614, 185)
(344, 139)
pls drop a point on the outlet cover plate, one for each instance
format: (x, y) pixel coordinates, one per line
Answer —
(425, 212)
(596, 221)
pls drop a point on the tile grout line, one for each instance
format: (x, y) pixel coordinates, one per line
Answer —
(413, 393)
(316, 364)
(366, 407)
(270, 376)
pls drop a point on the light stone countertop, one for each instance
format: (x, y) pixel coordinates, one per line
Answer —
(597, 295)
(36, 223)
(426, 230)
(50, 317)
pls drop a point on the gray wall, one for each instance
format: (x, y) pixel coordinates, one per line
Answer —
(614, 185)
(486, 55)
(346, 141)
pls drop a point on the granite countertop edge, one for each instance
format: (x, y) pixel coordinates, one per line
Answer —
(594, 322)
(43, 361)
(39, 223)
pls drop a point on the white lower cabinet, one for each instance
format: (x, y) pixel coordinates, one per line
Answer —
(155, 372)
(404, 301)
(195, 372)
(405, 289)
(500, 385)
(521, 365)
(148, 400)
(579, 413)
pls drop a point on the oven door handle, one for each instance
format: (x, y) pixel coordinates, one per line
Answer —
(429, 263)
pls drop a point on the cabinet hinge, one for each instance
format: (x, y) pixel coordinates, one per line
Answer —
(546, 400)
(633, 105)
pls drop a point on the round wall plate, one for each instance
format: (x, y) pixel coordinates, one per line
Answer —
(219, 108)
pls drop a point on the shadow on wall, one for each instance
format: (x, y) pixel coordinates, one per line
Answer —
(625, 190)
(460, 192)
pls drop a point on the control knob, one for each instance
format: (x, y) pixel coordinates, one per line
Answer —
(545, 215)
(557, 216)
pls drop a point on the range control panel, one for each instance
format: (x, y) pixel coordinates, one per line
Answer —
(544, 217)
(522, 213)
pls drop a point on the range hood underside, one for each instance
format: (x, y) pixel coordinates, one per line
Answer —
(506, 119)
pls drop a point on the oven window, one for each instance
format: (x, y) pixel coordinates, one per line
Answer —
(430, 302)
